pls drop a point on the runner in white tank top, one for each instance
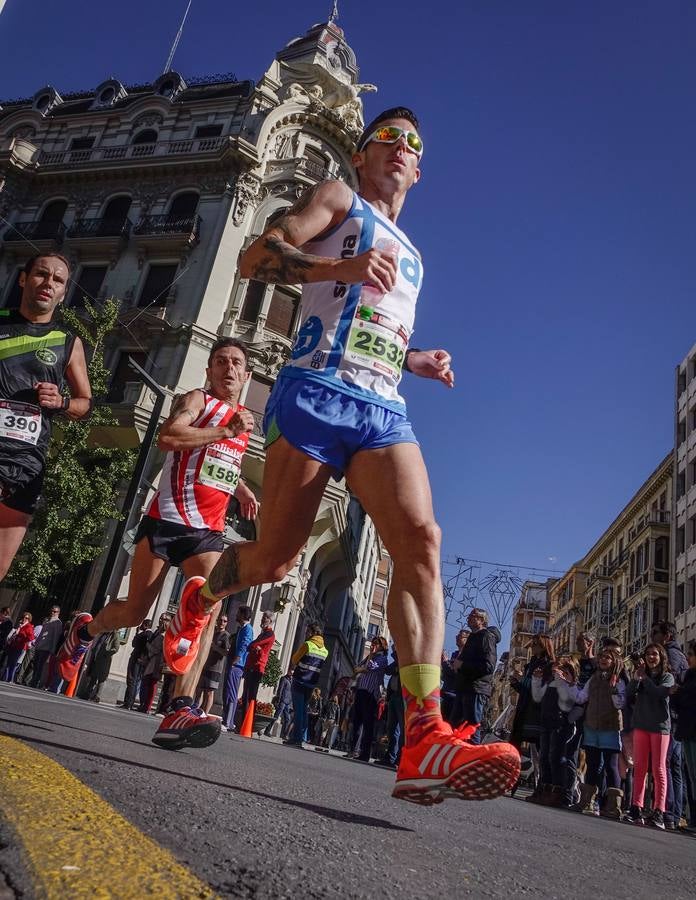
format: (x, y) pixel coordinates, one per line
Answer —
(361, 343)
(334, 410)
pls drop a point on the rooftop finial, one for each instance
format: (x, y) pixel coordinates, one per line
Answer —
(168, 67)
(334, 12)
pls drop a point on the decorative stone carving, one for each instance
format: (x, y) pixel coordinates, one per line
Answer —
(24, 132)
(147, 120)
(246, 196)
(269, 357)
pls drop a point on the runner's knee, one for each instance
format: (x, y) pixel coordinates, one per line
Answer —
(420, 546)
(276, 571)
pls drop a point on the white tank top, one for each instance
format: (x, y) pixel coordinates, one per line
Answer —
(358, 346)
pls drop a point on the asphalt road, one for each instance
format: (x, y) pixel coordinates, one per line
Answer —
(254, 819)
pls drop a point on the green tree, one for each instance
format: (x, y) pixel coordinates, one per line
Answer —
(82, 481)
(273, 670)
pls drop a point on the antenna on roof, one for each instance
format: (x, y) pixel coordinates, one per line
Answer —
(168, 66)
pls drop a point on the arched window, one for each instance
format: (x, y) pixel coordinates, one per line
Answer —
(146, 136)
(54, 211)
(51, 219)
(184, 206)
(115, 215)
(107, 95)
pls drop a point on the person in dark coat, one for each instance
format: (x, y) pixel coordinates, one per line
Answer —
(475, 666)
(526, 726)
(448, 690)
(684, 704)
(99, 667)
(665, 633)
(136, 662)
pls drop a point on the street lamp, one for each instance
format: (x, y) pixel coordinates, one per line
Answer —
(285, 596)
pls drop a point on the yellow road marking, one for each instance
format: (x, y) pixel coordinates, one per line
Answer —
(76, 844)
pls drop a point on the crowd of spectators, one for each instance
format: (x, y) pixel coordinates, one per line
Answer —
(612, 737)
(606, 736)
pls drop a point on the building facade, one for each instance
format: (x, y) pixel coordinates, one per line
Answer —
(628, 567)
(567, 609)
(683, 559)
(529, 617)
(153, 191)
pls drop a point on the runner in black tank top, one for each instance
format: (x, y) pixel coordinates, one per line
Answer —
(38, 357)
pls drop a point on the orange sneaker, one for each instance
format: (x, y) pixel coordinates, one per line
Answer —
(443, 764)
(69, 657)
(183, 636)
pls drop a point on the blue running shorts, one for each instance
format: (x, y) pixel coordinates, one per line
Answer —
(330, 425)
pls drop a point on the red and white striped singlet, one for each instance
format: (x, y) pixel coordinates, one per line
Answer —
(195, 485)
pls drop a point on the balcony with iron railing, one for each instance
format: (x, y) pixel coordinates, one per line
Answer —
(99, 236)
(49, 232)
(651, 576)
(659, 518)
(99, 228)
(599, 573)
(168, 230)
(312, 171)
(106, 155)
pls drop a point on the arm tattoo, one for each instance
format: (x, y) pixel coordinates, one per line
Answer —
(283, 263)
(225, 575)
(179, 411)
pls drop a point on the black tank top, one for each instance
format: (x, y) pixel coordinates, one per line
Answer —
(29, 352)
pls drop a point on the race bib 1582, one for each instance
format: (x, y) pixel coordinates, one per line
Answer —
(220, 470)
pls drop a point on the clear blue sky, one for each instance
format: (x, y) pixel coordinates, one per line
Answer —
(556, 217)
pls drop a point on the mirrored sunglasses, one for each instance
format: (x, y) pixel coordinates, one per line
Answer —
(390, 134)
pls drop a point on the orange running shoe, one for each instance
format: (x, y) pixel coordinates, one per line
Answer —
(183, 636)
(69, 657)
(443, 764)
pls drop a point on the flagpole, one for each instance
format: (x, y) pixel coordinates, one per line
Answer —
(168, 66)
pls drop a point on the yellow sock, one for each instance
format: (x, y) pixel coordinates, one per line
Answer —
(420, 686)
(207, 594)
(420, 680)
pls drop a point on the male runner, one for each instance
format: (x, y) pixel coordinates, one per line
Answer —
(335, 409)
(205, 438)
(37, 357)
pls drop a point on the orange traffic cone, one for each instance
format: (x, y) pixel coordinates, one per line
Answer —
(246, 729)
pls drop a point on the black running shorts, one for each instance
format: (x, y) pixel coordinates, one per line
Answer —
(175, 543)
(21, 480)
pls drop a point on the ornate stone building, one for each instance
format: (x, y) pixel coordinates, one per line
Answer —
(621, 586)
(153, 191)
(628, 568)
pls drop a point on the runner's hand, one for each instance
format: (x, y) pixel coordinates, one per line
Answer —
(377, 267)
(432, 364)
(248, 504)
(49, 395)
(240, 422)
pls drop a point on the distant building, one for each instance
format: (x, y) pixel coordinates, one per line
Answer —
(621, 586)
(627, 586)
(530, 616)
(683, 559)
(567, 609)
